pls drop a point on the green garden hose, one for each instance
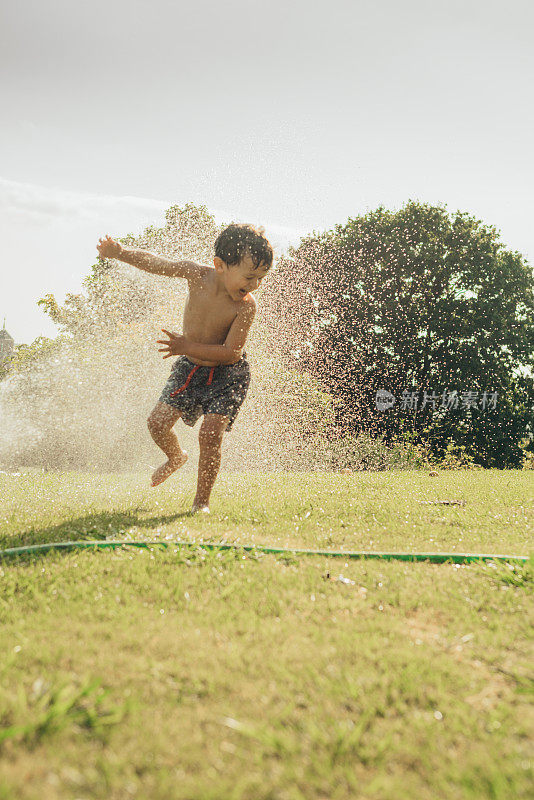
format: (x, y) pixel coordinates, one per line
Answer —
(435, 558)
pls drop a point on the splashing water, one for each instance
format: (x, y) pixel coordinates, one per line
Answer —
(83, 400)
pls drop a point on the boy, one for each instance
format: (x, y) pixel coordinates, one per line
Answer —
(212, 374)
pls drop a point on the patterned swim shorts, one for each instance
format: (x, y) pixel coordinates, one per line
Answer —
(196, 390)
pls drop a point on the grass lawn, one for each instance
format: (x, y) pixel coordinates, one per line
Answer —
(187, 673)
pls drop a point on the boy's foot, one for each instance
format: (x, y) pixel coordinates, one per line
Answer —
(203, 509)
(170, 466)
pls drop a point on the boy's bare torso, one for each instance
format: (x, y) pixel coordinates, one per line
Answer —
(208, 316)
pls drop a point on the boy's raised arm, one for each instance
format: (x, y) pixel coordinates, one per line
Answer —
(149, 262)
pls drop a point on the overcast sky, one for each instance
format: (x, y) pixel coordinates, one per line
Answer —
(294, 115)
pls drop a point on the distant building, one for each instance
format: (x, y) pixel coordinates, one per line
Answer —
(7, 346)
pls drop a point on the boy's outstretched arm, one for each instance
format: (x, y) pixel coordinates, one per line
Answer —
(149, 262)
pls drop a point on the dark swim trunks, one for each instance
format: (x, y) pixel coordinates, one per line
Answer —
(195, 390)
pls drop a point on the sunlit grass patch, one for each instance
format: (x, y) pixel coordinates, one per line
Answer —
(363, 511)
(242, 674)
(28, 717)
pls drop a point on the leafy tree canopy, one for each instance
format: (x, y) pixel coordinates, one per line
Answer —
(416, 301)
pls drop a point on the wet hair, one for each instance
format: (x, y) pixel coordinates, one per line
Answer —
(239, 240)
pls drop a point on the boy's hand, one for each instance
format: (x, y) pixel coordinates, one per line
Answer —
(175, 346)
(108, 247)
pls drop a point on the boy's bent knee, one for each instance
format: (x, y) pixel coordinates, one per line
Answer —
(162, 418)
(156, 423)
(153, 425)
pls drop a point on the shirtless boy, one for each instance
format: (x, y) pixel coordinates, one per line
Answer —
(212, 374)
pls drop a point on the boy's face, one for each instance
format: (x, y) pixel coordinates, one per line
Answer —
(241, 278)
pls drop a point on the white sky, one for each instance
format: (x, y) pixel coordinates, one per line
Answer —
(294, 115)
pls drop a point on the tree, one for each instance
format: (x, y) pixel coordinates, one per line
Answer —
(416, 302)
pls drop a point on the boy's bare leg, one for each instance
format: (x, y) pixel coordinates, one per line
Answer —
(210, 438)
(160, 424)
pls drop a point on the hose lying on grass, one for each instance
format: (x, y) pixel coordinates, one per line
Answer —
(435, 558)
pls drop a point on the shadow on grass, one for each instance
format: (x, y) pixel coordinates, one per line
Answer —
(106, 525)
